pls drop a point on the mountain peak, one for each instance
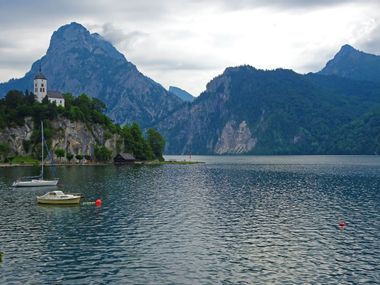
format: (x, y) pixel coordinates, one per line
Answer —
(76, 37)
(347, 47)
(68, 33)
(347, 50)
(72, 26)
(354, 64)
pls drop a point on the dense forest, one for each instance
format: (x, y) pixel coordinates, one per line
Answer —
(16, 106)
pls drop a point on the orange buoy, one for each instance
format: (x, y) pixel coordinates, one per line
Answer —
(98, 202)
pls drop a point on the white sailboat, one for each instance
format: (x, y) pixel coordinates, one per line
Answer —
(37, 181)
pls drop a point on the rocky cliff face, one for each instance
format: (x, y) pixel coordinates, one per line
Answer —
(15, 137)
(235, 138)
(79, 62)
(73, 137)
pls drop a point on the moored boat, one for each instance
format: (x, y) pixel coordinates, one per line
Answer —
(37, 181)
(34, 183)
(58, 198)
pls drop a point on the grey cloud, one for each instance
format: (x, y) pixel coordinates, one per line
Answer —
(119, 37)
(17, 13)
(6, 43)
(284, 4)
(167, 63)
(371, 43)
(14, 62)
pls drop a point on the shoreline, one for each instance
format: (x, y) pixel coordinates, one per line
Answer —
(184, 162)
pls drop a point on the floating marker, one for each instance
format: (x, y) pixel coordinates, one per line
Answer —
(98, 202)
(342, 224)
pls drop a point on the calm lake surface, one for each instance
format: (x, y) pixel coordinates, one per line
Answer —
(232, 220)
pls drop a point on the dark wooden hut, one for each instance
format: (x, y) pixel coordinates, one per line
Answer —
(124, 158)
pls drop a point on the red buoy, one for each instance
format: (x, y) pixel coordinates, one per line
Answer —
(342, 224)
(98, 202)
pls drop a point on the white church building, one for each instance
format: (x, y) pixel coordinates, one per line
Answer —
(40, 91)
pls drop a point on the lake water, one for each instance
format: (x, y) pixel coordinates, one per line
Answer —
(232, 220)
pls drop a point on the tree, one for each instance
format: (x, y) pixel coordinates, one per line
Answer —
(4, 150)
(156, 143)
(69, 156)
(128, 139)
(137, 142)
(102, 153)
(14, 98)
(79, 157)
(59, 153)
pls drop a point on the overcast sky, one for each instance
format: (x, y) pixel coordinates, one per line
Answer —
(186, 43)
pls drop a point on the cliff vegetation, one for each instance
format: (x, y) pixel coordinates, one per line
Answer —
(79, 131)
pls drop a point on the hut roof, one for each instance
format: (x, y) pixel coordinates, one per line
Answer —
(39, 75)
(127, 156)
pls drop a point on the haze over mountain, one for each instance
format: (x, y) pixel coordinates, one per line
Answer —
(79, 62)
(182, 94)
(352, 63)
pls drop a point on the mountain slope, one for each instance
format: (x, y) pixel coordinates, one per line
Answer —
(354, 64)
(79, 62)
(182, 94)
(245, 110)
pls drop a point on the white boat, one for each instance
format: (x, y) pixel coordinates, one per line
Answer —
(37, 181)
(58, 198)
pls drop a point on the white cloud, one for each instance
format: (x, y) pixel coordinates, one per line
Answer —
(187, 43)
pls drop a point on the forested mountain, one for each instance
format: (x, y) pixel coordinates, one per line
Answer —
(246, 110)
(354, 64)
(79, 62)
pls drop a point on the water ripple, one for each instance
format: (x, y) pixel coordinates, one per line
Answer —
(219, 223)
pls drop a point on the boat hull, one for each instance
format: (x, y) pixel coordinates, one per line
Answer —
(35, 183)
(68, 201)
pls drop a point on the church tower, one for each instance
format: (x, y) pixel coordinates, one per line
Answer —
(40, 86)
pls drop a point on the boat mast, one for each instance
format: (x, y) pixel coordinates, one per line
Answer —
(42, 147)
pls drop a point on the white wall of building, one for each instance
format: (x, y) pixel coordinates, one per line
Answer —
(58, 102)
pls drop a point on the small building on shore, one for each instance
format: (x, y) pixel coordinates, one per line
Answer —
(124, 158)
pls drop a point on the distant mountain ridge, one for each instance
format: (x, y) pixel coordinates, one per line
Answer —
(182, 94)
(354, 64)
(79, 62)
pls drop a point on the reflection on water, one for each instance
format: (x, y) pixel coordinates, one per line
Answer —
(233, 220)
